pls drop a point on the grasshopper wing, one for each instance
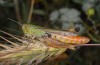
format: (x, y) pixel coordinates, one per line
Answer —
(57, 44)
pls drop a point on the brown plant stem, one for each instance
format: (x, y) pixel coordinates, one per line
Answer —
(17, 10)
(88, 45)
(30, 11)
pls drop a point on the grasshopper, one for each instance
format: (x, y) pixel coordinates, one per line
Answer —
(53, 38)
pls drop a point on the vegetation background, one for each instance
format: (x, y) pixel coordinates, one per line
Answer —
(58, 14)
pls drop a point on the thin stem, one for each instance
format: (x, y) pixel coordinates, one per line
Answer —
(88, 27)
(94, 25)
(88, 45)
(31, 10)
(94, 39)
(17, 10)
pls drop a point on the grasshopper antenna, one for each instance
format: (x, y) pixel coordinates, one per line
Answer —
(14, 21)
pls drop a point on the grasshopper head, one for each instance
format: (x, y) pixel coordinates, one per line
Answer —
(32, 30)
(27, 29)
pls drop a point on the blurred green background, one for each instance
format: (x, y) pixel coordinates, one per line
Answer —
(58, 14)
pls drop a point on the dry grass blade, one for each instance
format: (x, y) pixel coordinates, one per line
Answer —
(18, 54)
(11, 35)
(8, 41)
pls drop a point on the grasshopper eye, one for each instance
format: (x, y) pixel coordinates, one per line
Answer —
(77, 29)
(48, 34)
